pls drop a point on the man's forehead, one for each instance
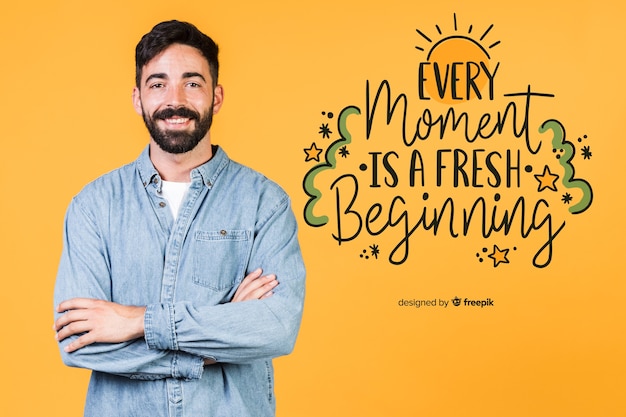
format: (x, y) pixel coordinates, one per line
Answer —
(177, 58)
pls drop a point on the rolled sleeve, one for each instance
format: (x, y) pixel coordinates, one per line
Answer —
(160, 328)
(187, 366)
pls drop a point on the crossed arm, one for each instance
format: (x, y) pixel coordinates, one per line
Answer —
(102, 321)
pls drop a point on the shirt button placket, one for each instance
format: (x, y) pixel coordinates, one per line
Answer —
(175, 397)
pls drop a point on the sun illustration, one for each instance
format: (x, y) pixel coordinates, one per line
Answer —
(457, 66)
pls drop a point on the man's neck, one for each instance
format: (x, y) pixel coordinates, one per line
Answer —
(178, 167)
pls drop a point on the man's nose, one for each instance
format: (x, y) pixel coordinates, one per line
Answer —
(176, 96)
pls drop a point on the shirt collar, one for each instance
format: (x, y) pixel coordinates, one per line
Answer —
(207, 172)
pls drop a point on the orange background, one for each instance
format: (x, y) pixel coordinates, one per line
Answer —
(554, 344)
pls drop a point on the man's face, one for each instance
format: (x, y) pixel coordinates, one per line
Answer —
(176, 98)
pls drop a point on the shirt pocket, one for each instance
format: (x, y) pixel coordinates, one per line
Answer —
(220, 258)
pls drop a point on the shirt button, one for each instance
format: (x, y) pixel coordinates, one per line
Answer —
(162, 204)
(223, 232)
(155, 180)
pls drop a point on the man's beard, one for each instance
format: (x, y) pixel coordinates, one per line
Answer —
(177, 142)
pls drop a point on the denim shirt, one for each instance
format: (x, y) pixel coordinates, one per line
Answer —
(122, 244)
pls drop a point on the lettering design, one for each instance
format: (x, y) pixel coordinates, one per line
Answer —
(450, 158)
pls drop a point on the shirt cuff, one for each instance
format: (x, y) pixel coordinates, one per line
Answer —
(187, 366)
(160, 333)
(159, 327)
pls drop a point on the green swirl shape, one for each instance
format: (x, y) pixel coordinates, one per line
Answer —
(330, 162)
(559, 142)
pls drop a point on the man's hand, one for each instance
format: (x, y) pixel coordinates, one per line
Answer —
(99, 320)
(255, 286)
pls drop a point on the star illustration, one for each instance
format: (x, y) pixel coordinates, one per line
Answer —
(375, 250)
(499, 256)
(547, 180)
(312, 153)
(325, 131)
(567, 198)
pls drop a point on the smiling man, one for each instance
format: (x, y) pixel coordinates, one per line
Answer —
(181, 275)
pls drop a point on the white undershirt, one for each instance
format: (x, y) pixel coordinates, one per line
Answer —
(174, 192)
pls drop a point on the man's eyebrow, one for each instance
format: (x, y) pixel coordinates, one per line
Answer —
(158, 75)
(193, 74)
(163, 76)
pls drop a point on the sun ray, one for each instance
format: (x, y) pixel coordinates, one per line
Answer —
(424, 36)
(486, 32)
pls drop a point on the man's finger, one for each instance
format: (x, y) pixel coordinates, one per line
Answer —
(244, 286)
(84, 340)
(265, 290)
(73, 328)
(76, 303)
(251, 276)
(258, 288)
(255, 289)
(69, 317)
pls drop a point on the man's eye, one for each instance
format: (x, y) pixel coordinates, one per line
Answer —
(192, 84)
(156, 85)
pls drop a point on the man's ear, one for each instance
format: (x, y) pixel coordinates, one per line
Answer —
(218, 98)
(137, 101)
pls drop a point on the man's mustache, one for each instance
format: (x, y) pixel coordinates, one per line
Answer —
(170, 112)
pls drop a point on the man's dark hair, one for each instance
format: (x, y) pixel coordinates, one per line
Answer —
(165, 34)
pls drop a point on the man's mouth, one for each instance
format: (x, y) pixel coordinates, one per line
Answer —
(177, 120)
(179, 117)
